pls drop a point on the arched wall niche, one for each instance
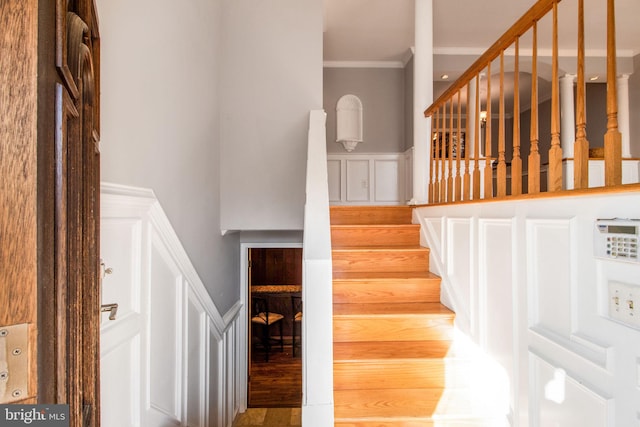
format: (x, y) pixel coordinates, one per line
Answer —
(349, 121)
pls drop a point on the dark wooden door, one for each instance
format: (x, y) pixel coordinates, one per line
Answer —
(49, 161)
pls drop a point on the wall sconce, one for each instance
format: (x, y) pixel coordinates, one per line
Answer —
(349, 122)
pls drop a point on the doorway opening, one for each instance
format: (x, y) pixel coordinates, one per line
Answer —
(274, 280)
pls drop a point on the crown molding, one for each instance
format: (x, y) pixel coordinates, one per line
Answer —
(363, 64)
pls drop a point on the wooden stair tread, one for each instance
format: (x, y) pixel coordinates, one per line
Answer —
(385, 350)
(372, 276)
(395, 309)
(414, 404)
(391, 235)
(370, 214)
(380, 248)
(386, 290)
(368, 226)
(380, 259)
(452, 422)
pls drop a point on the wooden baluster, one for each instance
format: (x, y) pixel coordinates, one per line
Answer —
(534, 156)
(443, 155)
(516, 162)
(502, 165)
(476, 144)
(555, 152)
(581, 145)
(431, 160)
(613, 138)
(488, 169)
(458, 180)
(466, 180)
(436, 155)
(450, 139)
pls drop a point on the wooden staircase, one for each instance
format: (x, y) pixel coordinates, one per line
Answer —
(395, 362)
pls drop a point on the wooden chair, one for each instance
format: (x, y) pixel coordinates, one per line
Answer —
(296, 321)
(262, 319)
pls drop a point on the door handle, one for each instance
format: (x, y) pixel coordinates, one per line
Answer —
(112, 309)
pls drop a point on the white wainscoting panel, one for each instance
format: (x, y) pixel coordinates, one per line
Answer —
(387, 183)
(122, 366)
(376, 179)
(458, 262)
(550, 275)
(562, 400)
(408, 174)
(122, 409)
(196, 363)
(495, 289)
(334, 171)
(216, 381)
(630, 172)
(230, 373)
(165, 327)
(358, 181)
(169, 358)
(523, 275)
(436, 232)
(123, 281)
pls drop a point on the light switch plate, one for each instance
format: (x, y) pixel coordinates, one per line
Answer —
(624, 303)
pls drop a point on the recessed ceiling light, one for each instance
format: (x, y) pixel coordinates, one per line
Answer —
(444, 76)
(594, 78)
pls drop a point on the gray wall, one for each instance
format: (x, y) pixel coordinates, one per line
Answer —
(596, 95)
(160, 122)
(271, 71)
(408, 104)
(634, 108)
(596, 111)
(381, 91)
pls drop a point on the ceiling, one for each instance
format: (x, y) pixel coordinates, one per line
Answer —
(382, 31)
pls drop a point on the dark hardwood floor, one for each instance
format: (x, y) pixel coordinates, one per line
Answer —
(278, 382)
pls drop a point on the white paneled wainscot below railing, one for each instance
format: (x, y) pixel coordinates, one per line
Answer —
(368, 179)
(526, 285)
(169, 358)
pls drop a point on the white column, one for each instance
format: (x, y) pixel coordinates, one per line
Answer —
(567, 115)
(623, 114)
(422, 98)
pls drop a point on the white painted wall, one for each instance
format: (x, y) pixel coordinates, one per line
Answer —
(160, 129)
(169, 358)
(271, 77)
(523, 281)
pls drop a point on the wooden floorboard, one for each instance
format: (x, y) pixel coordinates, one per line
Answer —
(269, 417)
(278, 382)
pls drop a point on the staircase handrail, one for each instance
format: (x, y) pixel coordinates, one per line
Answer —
(486, 176)
(522, 25)
(317, 326)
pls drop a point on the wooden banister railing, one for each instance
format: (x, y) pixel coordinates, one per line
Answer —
(463, 166)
